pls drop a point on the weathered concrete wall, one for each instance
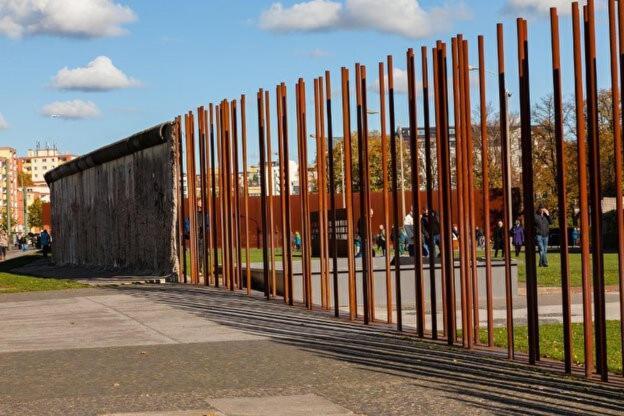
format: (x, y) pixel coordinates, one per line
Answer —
(115, 208)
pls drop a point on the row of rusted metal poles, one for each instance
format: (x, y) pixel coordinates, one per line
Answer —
(214, 225)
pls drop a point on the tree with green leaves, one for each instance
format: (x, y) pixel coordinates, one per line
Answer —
(35, 214)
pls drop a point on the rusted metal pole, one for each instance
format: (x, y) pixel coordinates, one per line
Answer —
(396, 220)
(595, 194)
(348, 169)
(237, 205)
(438, 115)
(485, 186)
(332, 192)
(288, 247)
(617, 140)
(227, 157)
(363, 222)
(270, 177)
(181, 217)
(583, 194)
(416, 211)
(323, 197)
(263, 194)
(213, 202)
(245, 193)
(319, 185)
(460, 177)
(219, 210)
(505, 149)
(561, 192)
(429, 187)
(528, 199)
(202, 191)
(192, 195)
(448, 268)
(283, 166)
(208, 211)
(386, 190)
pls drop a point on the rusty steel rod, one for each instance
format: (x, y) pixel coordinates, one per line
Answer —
(617, 57)
(202, 191)
(583, 192)
(208, 211)
(181, 216)
(332, 192)
(283, 166)
(528, 191)
(561, 192)
(485, 186)
(396, 220)
(386, 190)
(288, 287)
(319, 184)
(505, 149)
(429, 188)
(269, 168)
(237, 205)
(595, 194)
(192, 195)
(323, 197)
(263, 194)
(416, 211)
(245, 192)
(436, 102)
(219, 210)
(227, 156)
(214, 206)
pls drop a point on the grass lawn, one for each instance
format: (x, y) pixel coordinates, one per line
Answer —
(551, 342)
(13, 283)
(551, 275)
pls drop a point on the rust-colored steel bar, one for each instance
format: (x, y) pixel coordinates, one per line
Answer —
(203, 187)
(227, 194)
(219, 209)
(581, 139)
(436, 101)
(473, 290)
(386, 190)
(181, 215)
(237, 205)
(595, 194)
(288, 286)
(332, 191)
(561, 192)
(306, 254)
(318, 137)
(213, 203)
(416, 211)
(192, 195)
(366, 185)
(270, 177)
(323, 194)
(505, 149)
(528, 191)
(396, 220)
(362, 227)
(245, 192)
(448, 267)
(263, 194)
(208, 278)
(460, 177)
(222, 199)
(429, 186)
(617, 138)
(282, 185)
(485, 179)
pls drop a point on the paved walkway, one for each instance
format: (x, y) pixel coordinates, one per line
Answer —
(178, 350)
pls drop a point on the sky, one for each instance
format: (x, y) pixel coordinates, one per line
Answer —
(81, 74)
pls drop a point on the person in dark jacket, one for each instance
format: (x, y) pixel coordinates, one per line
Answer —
(499, 238)
(542, 229)
(517, 236)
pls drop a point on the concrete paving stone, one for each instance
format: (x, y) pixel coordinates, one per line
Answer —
(302, 405)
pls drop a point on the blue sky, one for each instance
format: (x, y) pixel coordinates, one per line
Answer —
(174, 56)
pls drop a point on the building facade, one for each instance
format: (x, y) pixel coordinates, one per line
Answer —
(9, 197)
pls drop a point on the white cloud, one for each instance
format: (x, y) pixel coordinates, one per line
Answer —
(400, 17)
(3, 123)
(306, 16)
(400, 82)
(542, 7)
(71, 110)
(73, 18)
(99, 75)
(318, 53)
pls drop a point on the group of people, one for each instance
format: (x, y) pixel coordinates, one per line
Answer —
(41, 241)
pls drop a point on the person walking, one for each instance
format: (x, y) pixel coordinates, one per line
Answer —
(499, 239)
(517, 236)
(45, 242)
(4, 244)
(297, 241)
(381, 239)
(408, 228)
(542, 230)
